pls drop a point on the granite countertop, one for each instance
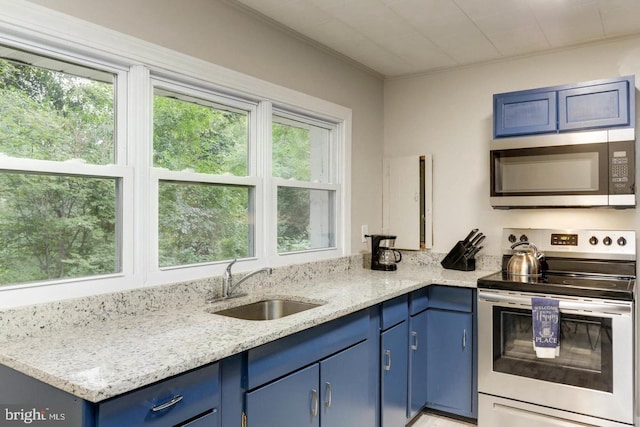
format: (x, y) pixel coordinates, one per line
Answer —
(104, 359)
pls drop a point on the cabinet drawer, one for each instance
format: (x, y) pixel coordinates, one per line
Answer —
(418, 301)
(194, 393)
(451, 298)
(394, 311)
(278, 358)
(208, 420)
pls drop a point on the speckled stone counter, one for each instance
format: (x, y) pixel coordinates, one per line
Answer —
(118, 352)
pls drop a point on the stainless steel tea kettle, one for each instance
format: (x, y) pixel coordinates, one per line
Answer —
(525, 261)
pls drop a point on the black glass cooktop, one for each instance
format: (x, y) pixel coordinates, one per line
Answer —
(590, 278)
(610, 287)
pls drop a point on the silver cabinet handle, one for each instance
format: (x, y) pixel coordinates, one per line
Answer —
(157, 408)
(314, 402)
(387, 355)
(327, 394)
(464, 338)
(414, 346)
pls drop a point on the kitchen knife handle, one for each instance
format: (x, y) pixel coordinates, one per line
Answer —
(469, 236)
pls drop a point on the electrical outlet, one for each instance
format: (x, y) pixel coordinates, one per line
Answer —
(364, 231)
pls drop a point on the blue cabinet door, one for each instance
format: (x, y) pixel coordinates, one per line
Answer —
(346, 398)
(394, 359)
(523, 113)
(450, 361)
(417, 363)
(293, 401)
(600, 105)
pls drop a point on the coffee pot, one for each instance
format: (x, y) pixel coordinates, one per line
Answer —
(383, 255)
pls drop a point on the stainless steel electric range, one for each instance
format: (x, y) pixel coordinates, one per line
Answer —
(591, 273)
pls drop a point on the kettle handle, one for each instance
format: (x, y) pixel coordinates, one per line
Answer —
(539, 255)
(515, 245)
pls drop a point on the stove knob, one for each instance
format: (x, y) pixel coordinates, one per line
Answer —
(524, 238)
(622, 241)
(512, 238)
(593, 240)
(607, 241)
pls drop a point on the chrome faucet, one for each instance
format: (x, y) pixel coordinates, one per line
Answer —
(227, 280)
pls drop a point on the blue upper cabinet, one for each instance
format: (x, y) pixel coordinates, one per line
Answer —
(599, 105)
(522, 113)
(588, 105)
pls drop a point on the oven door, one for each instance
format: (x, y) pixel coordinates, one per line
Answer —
(593, 374)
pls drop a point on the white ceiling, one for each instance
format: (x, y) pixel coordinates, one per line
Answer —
(400, 37)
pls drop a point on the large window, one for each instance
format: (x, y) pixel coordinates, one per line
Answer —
(58, 212)
(133, 165)
(201, 151)
(305, 184)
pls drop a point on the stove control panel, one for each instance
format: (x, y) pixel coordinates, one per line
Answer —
(613, 244)
(564, 239)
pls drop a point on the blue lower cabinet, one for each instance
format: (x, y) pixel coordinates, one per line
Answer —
(346, 385)
(394, 357)
(293, 401)
(450, 385)
(332, 393)
(418, 378)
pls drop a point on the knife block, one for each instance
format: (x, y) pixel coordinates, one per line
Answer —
(456, 261)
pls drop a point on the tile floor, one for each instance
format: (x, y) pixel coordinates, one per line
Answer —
(433, 420)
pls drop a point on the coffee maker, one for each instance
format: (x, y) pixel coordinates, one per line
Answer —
(383, 255)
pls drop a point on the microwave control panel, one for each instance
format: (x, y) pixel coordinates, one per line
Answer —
(621, 167)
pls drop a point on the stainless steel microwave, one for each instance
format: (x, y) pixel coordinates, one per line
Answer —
(579, 169)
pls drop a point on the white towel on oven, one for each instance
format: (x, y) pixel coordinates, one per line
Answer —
(545, 315)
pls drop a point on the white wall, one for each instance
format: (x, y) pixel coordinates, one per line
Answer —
(216, 31)
(449, 114)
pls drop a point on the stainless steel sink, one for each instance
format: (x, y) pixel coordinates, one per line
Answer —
(267, 309)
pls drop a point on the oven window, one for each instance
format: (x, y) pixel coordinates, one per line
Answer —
(585, 358)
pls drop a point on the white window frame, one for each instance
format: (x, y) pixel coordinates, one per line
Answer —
(332, 184)
(203, 92)
(35, 28)
(119, 170)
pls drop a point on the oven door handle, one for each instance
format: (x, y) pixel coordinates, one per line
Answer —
(601, 307)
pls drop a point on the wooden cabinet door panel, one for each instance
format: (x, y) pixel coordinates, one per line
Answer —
(601, 105)
(418, 378)
(345, 389)
(524, 113)
(450, 359)
(394, 365)
(292, 401)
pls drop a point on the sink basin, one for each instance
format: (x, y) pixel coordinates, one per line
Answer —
(267, 309)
